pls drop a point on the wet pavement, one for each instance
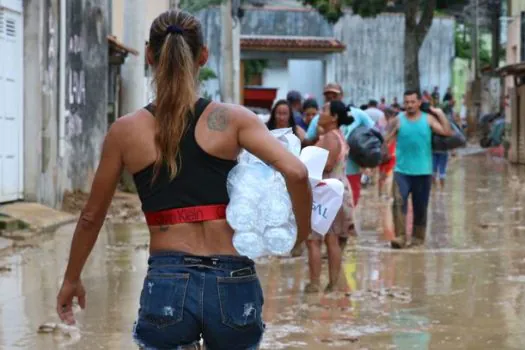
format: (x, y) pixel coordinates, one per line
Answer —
(464, 290)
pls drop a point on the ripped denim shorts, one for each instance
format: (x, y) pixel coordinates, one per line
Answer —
(186, 298)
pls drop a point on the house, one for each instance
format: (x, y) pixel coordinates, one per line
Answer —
(301, 51)
(56, 56)
(514, 73)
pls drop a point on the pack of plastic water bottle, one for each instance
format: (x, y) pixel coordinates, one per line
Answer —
(260, 209)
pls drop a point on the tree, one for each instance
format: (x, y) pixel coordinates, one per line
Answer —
(415, 29)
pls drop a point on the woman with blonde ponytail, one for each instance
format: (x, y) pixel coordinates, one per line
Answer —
(180, 150)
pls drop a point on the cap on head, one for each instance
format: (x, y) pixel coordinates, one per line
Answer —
(333, 87)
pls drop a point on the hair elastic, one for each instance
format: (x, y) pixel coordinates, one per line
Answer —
(173, 29)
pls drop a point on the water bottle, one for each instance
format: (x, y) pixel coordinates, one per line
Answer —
(249, 244)
(280, 240)
(241, 213)
(274, 208)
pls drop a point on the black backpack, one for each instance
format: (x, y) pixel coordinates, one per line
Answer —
(366, 147)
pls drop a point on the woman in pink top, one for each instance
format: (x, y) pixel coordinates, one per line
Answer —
(334, 115)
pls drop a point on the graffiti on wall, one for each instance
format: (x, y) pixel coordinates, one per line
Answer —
(86, 87)
(76, 86)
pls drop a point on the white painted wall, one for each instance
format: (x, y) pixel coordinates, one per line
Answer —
(153, 9)
(11, 103)
(276, 76)
(307, 77)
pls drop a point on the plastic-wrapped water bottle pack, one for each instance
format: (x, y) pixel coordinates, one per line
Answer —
(260, 209)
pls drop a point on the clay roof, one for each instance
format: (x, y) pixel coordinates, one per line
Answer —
(290, 43)
(512, 69)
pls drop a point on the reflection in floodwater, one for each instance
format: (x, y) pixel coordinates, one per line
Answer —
(465, 289)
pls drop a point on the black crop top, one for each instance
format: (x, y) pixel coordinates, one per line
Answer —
(201, 179)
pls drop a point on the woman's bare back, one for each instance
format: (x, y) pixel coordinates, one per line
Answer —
(214, 135)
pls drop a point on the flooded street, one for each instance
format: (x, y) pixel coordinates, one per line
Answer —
(464, 290)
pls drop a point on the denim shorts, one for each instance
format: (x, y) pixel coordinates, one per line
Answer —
(186, 298)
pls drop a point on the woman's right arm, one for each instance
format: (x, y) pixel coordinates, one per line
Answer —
(330, 143)
(256, 139)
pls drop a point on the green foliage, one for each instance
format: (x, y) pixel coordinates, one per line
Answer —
(446, 4)
(206, 74)
(197, 5)
(332, 10)
(253, 67)
(464, 48)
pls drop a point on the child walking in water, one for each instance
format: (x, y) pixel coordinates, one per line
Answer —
(333, 116)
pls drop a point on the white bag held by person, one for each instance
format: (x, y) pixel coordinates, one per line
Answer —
(327, 200)
(314, 158)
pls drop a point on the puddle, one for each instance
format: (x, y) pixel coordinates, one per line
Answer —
(463, 290)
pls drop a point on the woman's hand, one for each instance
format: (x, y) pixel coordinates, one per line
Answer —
(65, 297)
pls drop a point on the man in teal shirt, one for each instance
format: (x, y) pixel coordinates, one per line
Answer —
(413, 171)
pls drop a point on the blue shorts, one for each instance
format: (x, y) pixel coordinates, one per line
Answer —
(440, 161)
(186, 298)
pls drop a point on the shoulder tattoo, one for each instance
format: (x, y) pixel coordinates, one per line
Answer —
(218, 119)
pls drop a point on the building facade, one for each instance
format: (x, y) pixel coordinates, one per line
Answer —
(53, 115)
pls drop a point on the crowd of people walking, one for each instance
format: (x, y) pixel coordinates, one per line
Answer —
(180, 150)
(409, 169)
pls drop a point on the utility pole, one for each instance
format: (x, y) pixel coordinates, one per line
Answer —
(226, 75)
(474, 90)
(475, 40)
(133, 74)
(236, 51)
(495, 11)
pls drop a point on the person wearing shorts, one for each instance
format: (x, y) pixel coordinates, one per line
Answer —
(439, 167)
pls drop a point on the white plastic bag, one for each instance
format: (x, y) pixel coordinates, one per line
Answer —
(314, 158)
(327, 200)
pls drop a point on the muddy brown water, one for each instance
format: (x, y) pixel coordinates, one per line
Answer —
(464, 290)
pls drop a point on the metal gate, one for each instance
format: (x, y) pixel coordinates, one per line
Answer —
(11, 100)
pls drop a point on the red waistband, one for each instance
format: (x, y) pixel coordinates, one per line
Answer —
(186, 215)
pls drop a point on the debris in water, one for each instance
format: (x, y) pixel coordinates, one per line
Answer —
(394, 293)
(59, 328)
(336, 340)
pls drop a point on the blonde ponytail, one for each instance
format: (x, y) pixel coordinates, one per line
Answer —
(175, 70)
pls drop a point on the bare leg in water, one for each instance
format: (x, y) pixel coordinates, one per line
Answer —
(314, 264)
(334, 260)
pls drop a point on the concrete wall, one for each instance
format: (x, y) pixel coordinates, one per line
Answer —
(295, 22)
(307, 77)
(153, 9)
(41, 163)
(86, 90)
(266, 21)
(513, 48)
(48, 170)
(373, 65)
(276, 75)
